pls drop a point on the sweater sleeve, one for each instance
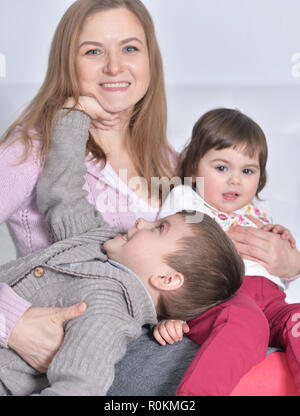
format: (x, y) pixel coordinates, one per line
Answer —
(60, 193)
(12, 307)
(93, 344)
(17, 178)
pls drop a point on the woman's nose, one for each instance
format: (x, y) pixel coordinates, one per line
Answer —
(113, 64)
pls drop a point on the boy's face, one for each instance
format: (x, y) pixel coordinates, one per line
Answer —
(145, 245)
(231, 178)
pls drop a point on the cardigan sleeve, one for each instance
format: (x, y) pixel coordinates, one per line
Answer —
(60, 193)
(93, 344)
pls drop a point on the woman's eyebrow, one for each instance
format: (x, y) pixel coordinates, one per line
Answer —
(132, 39)
(127, 40)
(90, 42)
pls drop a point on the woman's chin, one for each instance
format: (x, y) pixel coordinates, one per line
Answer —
(117, 108)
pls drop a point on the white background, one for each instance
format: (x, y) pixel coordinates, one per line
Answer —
(235, 53)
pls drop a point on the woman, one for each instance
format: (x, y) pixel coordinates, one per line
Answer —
(106, 58)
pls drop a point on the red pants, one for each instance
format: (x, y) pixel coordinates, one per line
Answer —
(234, 337)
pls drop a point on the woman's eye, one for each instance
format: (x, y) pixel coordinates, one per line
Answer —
(130, 49)
(221, 168)
(93, 52)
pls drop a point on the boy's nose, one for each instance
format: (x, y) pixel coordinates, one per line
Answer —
(142, 224)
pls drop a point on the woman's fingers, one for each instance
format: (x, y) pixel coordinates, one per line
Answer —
(94, 109)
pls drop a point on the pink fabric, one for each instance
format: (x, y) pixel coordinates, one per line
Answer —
(272, 377)
(234, 337)
(12, 308)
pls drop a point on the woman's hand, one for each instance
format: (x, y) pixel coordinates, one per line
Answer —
(284, 233)
(39, 333)
(268, 249)
(101, 119)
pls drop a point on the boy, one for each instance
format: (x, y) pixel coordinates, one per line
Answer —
(165, 268)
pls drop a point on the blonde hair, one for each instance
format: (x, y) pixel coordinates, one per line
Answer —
(148, 145)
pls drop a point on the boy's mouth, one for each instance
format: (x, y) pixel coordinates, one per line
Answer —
(123, 236)
(230, 196)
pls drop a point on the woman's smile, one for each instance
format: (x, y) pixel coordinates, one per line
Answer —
(119, 86)
(113, 55)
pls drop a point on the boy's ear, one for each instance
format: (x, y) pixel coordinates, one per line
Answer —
(170, 281)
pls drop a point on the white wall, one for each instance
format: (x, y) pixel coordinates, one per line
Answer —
(203, 41)
(236, 53)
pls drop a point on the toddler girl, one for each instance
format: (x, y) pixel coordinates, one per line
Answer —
(229, 151)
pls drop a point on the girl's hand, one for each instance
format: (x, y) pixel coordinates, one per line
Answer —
(170, 331)
(101, 119)
(39, 333)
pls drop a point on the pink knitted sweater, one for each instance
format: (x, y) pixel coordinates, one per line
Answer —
(119, 206)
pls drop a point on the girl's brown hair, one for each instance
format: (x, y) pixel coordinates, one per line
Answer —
(212, 268)
(220, 129)
(148, 144)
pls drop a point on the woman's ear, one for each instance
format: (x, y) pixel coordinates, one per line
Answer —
(170, 281)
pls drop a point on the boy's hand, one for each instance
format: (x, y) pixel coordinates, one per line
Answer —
(170, 331)
(101, 119)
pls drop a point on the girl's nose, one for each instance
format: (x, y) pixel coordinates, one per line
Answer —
(234, 179)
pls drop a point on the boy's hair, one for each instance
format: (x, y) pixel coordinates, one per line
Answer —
(220, 129)
(212, 268)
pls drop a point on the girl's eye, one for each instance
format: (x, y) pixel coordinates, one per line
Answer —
(130, 49)
(221, 168)
(93, 52)
(248, 171)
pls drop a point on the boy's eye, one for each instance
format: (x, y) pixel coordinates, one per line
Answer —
(130, 49)
(160, 227)
(221, 168)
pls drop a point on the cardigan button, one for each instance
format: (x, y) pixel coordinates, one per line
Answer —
(39, 272)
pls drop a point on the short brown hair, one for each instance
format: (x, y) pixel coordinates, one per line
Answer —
(212, 269)
(219, 129)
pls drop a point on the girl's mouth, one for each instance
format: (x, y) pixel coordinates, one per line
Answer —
(230, 196)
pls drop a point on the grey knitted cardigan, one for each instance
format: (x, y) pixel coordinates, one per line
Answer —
(75, 269)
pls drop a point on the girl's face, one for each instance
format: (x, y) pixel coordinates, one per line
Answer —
(231, 178)
(112, 61)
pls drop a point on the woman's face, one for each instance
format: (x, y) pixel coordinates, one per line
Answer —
(112, 61)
